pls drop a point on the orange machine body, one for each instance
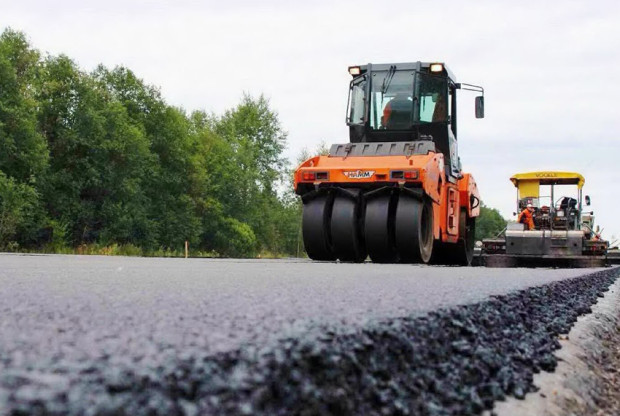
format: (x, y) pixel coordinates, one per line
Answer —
(425, 172)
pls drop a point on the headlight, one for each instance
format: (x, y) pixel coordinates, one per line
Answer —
(436, 67)
(355, 70)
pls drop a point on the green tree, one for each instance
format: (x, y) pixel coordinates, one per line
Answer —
(23, 151)
(17, 205)
(98, 159)
(176, 174)
(218, 194)
(257, 141)
(256, 135)
(489, 223)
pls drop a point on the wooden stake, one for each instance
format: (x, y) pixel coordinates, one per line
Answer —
(186, 248)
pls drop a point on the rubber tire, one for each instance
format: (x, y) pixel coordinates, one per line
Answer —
(316, 220)
(379, 228)
(464, 250)
(414, 229)
(460, 253)
(347, 240)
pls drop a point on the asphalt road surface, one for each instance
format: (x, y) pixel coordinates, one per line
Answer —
(113, 335)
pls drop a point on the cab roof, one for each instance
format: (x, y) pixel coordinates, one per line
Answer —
(549, 178)
(415, 66)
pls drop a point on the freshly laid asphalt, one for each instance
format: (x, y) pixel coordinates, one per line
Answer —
(114, 335)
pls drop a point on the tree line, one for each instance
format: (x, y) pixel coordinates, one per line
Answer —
(99, 158)
(99, 162)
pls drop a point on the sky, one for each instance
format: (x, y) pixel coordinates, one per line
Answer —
(548, 69)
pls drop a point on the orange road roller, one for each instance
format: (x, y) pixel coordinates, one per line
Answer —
(396, 191)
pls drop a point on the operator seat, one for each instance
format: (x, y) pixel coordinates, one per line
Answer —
(400, 114)
(568, 202)
(569, 206)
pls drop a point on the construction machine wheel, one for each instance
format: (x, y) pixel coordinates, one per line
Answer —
(464, 250)
(460, 253)
(414, 229)
(379, 228)
(316, 228)
(345, 230)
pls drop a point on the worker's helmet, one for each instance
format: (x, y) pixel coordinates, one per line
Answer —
(530, 206)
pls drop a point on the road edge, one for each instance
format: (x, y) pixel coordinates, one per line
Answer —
(586, 380)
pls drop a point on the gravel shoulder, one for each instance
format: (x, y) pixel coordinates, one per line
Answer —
(587, 379)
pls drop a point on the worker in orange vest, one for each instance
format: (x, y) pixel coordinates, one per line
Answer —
(526, 217)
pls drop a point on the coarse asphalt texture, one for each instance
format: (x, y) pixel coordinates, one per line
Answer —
(142, 336)
(586, 381)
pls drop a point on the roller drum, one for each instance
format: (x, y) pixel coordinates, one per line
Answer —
(345, 229)
(316, 231)
(414, 229)
(379, 229)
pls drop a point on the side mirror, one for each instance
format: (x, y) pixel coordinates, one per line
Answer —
(480, 106)
(473, 202)
(588, 200)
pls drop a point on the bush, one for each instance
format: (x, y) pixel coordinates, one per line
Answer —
(236, 239)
